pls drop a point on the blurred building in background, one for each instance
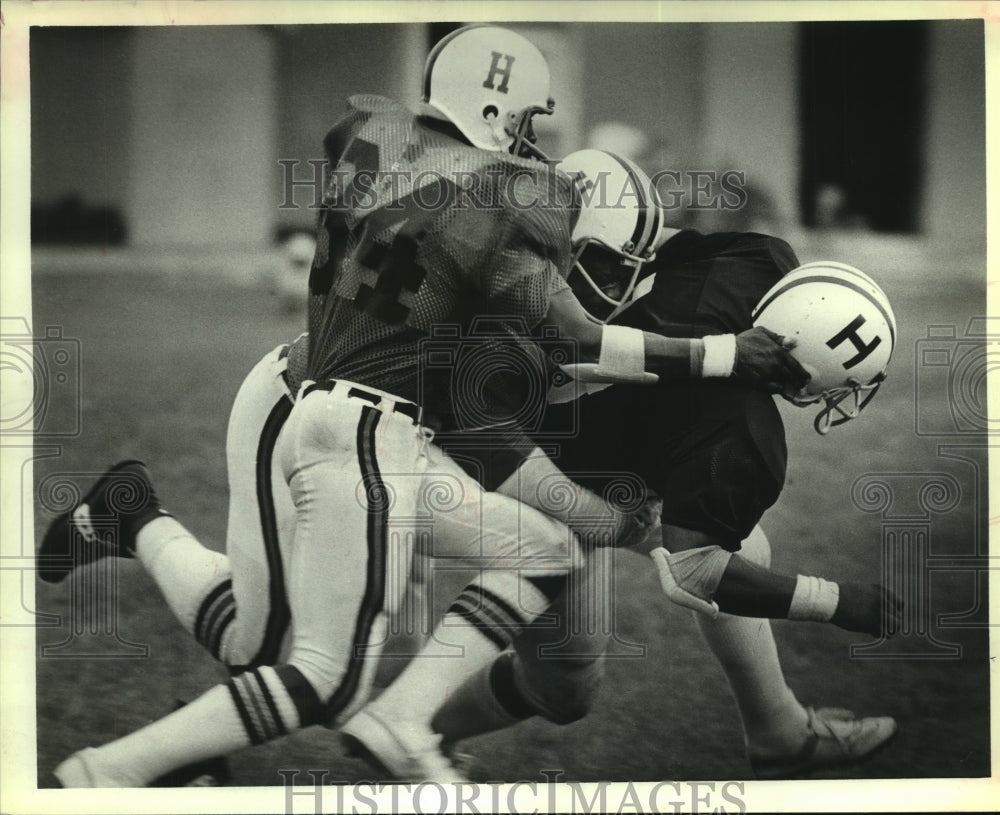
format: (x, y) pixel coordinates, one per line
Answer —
(181, 136)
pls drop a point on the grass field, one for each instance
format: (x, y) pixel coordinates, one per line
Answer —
(162, 356)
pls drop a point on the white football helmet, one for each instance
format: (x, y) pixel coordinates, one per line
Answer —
(844, 330)
(620, 211)
(489, 82)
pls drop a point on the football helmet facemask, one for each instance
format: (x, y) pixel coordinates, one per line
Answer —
(617, 229)
(844, 330)
(489, 82)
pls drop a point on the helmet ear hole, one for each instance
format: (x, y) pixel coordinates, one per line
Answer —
(473, 75)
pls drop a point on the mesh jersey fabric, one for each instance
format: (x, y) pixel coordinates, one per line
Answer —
(298, 358)
(421, 234)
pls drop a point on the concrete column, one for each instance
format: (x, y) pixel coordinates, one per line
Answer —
(954, 196)
(203, 141)
(750, 103)
(646, 77)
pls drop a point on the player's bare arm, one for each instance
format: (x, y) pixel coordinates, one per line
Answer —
(617, 354)
(612, 249)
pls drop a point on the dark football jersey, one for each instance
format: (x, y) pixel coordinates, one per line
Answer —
(708, 284)
(421, 233)
(713, 450)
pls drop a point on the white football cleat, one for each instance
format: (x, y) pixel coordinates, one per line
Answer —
(406, 750)
(835, 738)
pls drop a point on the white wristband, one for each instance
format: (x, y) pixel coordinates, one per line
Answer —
(720, 355)
(623, 350)
(622, 359)
(814, 600)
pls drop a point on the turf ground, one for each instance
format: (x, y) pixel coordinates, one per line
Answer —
(162, 355)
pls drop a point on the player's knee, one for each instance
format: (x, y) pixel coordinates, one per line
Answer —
(757, 548)
(566, 690)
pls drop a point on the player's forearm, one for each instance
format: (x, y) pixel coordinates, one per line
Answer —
(614, 353)
(674, 358)
(629, 355)
(619, 354)
(749, 590)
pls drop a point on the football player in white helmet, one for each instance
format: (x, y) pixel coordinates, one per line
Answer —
(715, 452)
(356, 449)
(489, 82)
(621, 223)
(844, 331)
(626, 235)
(365, 334)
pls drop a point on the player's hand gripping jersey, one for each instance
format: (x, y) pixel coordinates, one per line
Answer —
(421, 230)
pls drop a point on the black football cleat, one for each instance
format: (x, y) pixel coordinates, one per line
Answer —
(103, 524)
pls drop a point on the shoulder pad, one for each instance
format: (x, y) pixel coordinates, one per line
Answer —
(759, 246)
(361, 109)
(543, 207)
(764, 249)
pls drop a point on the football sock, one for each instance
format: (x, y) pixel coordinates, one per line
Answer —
(222, 720)
(480, 623)
(773, 719)
(457, 650)
(475, 707)
(188, 574)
